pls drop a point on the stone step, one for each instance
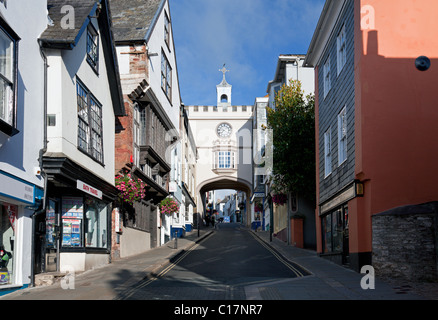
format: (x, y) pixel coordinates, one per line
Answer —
(47, 279)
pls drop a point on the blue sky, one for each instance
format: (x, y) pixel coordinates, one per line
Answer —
(246, 35)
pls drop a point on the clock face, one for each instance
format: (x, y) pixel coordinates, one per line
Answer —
(224, 130)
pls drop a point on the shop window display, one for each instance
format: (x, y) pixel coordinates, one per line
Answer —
(96, 220)
(84, 223)
(335, 228)
(72, 216)
(8, 215)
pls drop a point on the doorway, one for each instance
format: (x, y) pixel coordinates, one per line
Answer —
(46, 238)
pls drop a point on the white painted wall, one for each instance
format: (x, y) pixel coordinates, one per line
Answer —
(305, 75)
(203, 126)
(155, 44)
(134, 242)
(65, 66)
(19, 154)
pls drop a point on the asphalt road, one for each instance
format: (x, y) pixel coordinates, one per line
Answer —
(223, 266)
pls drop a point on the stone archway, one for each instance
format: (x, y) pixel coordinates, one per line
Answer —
(225, 182)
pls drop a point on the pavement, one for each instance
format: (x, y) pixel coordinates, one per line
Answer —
(330, 281)
(327, 280)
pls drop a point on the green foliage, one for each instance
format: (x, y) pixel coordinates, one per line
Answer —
(293, 125)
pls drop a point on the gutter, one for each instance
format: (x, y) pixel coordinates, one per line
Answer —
(43, 174)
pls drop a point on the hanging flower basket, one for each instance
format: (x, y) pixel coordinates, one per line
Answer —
(169, 206)
(258, 207)
(131, 189)
(279, 199)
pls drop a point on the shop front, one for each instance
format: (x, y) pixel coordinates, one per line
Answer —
(336, 235)
(18, 200)
(335, 216)
(74, 233)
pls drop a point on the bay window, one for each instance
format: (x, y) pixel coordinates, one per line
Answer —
(89, 123)
(8, 70)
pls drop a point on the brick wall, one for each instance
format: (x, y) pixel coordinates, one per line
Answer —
(138, 71)
(405, 243)
(138, 68)
(124, 139)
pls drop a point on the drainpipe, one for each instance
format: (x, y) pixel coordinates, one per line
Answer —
(43, 174)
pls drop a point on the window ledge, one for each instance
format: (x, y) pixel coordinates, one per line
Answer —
(7, 129)
(218, 171)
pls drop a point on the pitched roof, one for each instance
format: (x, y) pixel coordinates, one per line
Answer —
(133, 19)
(59, 12)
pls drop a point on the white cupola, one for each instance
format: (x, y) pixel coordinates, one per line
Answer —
(224, 91)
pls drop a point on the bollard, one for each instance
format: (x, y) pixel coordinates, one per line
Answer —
(176, 240)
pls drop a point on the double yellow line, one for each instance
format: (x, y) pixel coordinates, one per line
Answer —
(297, 272)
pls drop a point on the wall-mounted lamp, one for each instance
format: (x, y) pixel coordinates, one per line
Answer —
(359, 188)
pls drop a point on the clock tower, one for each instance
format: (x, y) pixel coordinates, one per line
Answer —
(224, 91)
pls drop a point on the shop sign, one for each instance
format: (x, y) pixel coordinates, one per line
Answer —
(89, 189)
(257, 195)
(16, 189)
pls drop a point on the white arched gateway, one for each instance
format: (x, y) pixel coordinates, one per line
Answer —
(223, 136)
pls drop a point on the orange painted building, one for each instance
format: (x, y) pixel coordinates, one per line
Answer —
(376, 117)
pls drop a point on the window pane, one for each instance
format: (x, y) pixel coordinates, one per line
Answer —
(96, 224)
(338, 228)
(72, 214)
(97, 147)
(6, 56)
(83, 135)
(327, 230)
(224, 160)
(92, 48)
(143, 126)
(96, 117)
(6, 101)
(6, 79)
(82, 103)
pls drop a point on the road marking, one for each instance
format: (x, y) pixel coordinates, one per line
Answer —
(297, 272)
(164, 271)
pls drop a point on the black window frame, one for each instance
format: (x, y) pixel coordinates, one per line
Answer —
(93, 43)
(10, 129)
(166, 83)
(93, 122)
(167, 30)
